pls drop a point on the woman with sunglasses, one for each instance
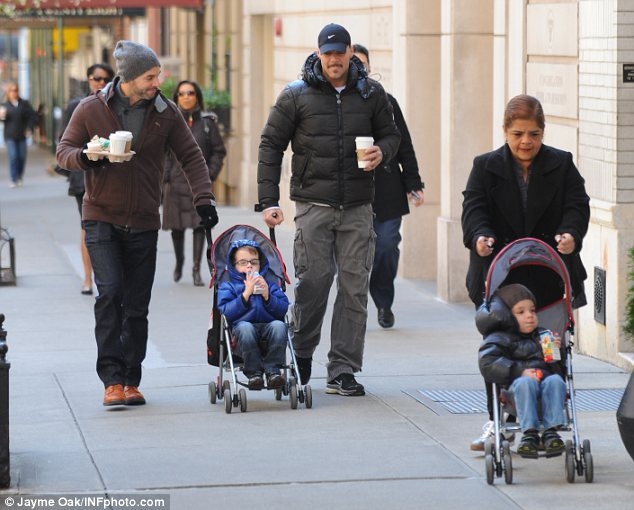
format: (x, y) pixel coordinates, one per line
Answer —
(179, 213)
(98, 75)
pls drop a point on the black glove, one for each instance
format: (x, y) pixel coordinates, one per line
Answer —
(208, 215)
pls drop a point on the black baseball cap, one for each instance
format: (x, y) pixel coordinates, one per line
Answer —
(333, 37)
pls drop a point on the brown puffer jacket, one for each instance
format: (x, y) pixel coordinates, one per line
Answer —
(129, 193)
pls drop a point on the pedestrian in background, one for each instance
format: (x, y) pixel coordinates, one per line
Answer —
(396, 183)
(20, 119)
(179, 213)
(98, 76)
(121, 207)
(321, 114)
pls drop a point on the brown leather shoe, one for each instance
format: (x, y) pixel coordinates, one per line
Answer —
(114, 396)
(133, 397)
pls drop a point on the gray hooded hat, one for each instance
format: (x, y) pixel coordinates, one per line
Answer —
(133, 59)
(513, 294)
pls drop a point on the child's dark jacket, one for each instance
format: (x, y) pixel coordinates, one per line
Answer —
(256, 310)
(505, 352)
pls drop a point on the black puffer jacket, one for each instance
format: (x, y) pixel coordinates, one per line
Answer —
(321, 125)
(505, 352)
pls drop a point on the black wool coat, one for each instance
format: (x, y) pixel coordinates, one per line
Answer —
(492, 206)
(400, 176)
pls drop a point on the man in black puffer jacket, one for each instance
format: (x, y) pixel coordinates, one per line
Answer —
(320, 115)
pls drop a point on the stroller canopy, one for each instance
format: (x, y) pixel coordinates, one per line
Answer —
(217, 256)
(539, 267)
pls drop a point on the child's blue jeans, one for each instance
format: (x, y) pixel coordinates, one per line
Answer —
(527, 391)
(262, 346)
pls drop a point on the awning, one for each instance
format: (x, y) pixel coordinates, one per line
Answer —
(100, 4)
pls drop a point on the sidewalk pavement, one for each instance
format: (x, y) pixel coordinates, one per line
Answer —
(395, 448)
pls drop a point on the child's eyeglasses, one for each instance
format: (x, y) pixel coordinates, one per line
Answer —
(243, 262)
(187, 93)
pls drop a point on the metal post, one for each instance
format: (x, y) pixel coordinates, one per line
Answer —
(5, 464)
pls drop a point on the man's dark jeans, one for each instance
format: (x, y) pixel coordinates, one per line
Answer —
(124, 263)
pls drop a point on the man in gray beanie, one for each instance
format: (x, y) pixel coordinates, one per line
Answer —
(133, 59)
(121, 207)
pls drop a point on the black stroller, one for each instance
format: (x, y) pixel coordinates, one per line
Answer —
(536, 265)
(219, 340)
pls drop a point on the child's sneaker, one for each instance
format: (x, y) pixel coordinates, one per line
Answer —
(345, 384)
(528, 445)
(256, 382)
(274, 381)
(553, 444)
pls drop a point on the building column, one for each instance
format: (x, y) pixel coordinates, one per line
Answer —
(416, 63)
(467, 44)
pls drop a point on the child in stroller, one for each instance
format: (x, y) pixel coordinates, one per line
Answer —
(512, 354)
(255, 310)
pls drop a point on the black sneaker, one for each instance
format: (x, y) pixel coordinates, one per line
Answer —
(528, 445)
(345, 384)
(304, 367)
(553, 444)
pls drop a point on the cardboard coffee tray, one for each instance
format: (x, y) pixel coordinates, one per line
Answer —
(113, 158)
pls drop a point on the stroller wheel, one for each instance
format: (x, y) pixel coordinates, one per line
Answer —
(242, 397)
(226, 385)
(588, 463)
(308, 395)
(211, 390)
(488, 465)
(507, 462)
(570, 462)
(228, 402)
(293, 396)
(278, 393)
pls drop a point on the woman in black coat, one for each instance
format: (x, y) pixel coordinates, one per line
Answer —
(179, 213)
(524, 189)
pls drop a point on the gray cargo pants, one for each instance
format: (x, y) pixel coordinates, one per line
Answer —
(331, 242)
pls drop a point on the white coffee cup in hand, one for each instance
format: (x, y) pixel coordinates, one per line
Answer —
(363, 143)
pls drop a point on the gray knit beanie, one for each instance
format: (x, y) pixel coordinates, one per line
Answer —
(513, 294)
(133, 59)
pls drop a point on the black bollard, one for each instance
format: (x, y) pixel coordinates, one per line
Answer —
(625, 417)
(5, 464)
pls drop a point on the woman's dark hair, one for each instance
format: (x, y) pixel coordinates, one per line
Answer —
(524, 107)
(199, 92)
(359, 48)
(104, 67)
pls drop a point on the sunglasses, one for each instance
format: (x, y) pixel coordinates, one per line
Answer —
(100, 78)
(187, 93)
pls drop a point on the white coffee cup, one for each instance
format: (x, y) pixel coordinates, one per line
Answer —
(118, 143)
(363, 143)
(128, 143)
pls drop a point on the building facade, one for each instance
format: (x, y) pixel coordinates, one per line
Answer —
(453, 65)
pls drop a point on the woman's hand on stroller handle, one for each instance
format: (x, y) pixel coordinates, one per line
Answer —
(565, 243)
(484, 245)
